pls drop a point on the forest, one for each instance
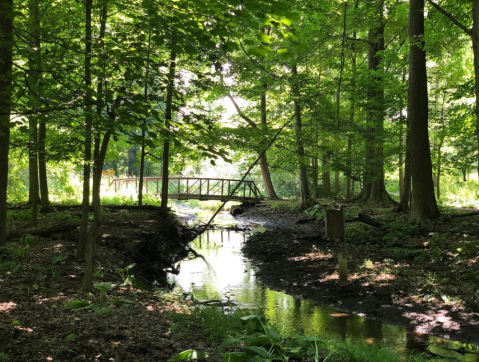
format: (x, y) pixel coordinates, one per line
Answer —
(367, 105)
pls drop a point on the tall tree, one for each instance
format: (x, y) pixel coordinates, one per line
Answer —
(374, 191)
(298, 130)
(423, 203)
(6, 45)
(88, 131)
(168, 118)
(473, 33)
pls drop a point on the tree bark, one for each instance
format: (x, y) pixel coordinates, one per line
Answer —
(143, 130)
(263, 162)
(325, 174)
(166, 142)
(337, 188)
(34, 84)
(82, 244)
(475, 49)
(35, 25)
(374, 189)
(6, 45)
(298, 129)
(423, 205)
(101, 146)
(439, 167)
(405, 200)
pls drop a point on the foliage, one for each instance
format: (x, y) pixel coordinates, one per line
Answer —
(259, 341)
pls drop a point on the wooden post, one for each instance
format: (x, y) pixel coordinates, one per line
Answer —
(335, 226)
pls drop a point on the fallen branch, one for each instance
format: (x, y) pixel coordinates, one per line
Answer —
(367, 220)
(453, 216)
(44, 230)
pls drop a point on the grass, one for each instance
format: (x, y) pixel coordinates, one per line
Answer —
(216, 326)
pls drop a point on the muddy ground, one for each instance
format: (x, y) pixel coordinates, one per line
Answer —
(40, 276)
(420, 279)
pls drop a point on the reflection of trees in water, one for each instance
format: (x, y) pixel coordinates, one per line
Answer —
(417, 342)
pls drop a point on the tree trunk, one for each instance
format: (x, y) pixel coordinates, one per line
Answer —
(374, 189)
(298, 129)
(439, 168)
(34, 83)
(314, 172)
(6, 45)
(406, 189)
(82, 244)
(166, 142)
(337, 188)
(36, 63)
(423, 205)
(101, 146)
(325, 174)
(143, 130)
(351, 113)
(475, 49)
(401, 161)
(263, 162)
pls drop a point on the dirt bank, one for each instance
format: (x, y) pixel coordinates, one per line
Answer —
(416, 279)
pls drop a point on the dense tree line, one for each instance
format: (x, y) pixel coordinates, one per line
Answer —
(348, 90)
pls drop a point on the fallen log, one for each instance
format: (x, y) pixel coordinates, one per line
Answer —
(367, 220)
(467, 214)
(44, 230)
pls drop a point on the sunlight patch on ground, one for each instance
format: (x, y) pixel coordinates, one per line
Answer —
(57, 298)
(312, 256)
(7, 307)
(426, 323)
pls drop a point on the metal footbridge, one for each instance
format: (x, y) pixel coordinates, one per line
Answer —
(188, 188)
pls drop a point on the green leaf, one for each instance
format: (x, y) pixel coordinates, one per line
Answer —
(189, 355)
(229, 341)
(260, 50)
(257, 351)
(229, 46)
(78, 304)
(264, 38)
(138, 284)
(260, 340)
(235, 357)
(58, 258)
(101, 308)
(71, 337)
(284, 53)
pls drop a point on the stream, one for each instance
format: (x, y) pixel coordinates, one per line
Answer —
(228, 276)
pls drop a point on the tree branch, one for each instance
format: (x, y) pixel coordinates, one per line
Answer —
(453, 19)
(238, 109)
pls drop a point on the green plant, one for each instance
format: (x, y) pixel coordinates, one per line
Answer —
(129, 279)
(99, 306)
(316, 212)
(58, 258)
(189, 355)
(260, 342)
(398, 229)
(27, 239)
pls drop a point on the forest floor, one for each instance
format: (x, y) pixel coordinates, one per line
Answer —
(39, 277)
(421, 279)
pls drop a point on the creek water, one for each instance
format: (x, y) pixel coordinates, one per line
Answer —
(228, 276)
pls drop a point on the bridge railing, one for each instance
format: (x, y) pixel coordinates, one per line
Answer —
(184, 188)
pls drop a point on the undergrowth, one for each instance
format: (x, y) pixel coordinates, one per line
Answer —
(250, 337)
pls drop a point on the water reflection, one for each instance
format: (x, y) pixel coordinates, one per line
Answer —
(227, 275)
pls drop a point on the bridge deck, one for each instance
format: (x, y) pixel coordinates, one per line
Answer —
(198, 188)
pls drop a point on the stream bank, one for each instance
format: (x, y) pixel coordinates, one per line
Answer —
(293, 256)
